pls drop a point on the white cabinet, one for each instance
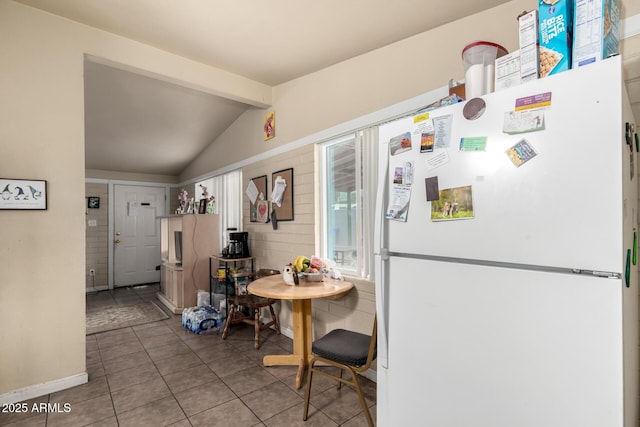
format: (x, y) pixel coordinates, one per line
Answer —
(180, 282)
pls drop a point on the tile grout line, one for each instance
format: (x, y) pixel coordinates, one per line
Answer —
(171, 325)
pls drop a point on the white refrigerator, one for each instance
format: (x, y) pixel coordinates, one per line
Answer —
(506, 276)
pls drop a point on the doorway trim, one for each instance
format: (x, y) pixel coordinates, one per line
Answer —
(111, 183)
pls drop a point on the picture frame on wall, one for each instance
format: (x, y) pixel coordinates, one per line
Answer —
(284, 212)
(256, 209)
(93, 202)
(269, 127)
(23, 194)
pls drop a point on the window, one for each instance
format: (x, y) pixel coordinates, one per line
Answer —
(348, 189)
(227, 190)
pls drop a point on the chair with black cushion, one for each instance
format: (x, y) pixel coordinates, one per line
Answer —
(253, 303)
(348, 351)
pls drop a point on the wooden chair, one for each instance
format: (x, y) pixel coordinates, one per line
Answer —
(253, 302)
(348, 351)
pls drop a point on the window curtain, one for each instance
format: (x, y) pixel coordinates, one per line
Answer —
(368, 159)
(227, 190)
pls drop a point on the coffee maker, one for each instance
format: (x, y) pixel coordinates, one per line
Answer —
(238, 246)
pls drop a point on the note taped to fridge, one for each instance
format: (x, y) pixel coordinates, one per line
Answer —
(441, 157)
(477, 143)
(399, 203)
(403, 174)
(534, 101)
(442, 127)
(523, 121)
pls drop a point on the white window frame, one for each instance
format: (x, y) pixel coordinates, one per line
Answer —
(366, 181)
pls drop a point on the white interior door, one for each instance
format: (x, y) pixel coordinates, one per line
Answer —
(136, 240)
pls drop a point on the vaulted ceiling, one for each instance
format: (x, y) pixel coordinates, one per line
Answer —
(267, 41)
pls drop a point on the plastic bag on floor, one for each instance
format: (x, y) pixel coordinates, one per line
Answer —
(203, 298)
(201, 319)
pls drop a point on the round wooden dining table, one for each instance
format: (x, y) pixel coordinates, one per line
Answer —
(300, 296)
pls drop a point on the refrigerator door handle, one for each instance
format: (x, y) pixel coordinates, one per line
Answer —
(381, 256)
(381, 311)
(379, 240)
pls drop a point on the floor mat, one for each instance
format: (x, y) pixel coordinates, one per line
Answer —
(123, 316)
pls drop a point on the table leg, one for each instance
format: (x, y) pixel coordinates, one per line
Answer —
(302, 339)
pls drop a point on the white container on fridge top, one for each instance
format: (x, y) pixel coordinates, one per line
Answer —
(479, 65)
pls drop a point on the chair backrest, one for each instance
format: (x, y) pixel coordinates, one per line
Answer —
(240, 282)
(372, 354)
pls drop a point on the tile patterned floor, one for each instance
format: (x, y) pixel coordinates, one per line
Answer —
(160, 374)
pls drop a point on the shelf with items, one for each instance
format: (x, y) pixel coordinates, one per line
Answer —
(220, 274)
(238, 284)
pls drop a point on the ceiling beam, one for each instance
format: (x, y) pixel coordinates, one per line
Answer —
(194, 75)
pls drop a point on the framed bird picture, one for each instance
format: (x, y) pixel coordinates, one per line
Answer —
(23, 194)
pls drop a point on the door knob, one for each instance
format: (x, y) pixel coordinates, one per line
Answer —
(116, 241)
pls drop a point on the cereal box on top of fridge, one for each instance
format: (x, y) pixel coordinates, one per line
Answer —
(596, 31)
(529, 47)
(556, 27)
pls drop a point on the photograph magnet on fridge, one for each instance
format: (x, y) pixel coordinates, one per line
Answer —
(400, 144)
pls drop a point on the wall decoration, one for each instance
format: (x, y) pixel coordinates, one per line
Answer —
(262, 211)
(93, 202)
(258, 206)
(23, 194)
(269, 129)
(282, 194)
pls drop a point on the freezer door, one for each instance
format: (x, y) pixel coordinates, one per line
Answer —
(563, 208)
(484, 346)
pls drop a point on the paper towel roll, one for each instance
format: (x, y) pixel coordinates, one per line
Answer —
(489, 78)
(474, 81)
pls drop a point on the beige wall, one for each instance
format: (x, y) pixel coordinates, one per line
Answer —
(630, 8)
(362, 85)
(97, 238)
(373, 81)
(42, 135)
(276, 248)
(42, 290)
